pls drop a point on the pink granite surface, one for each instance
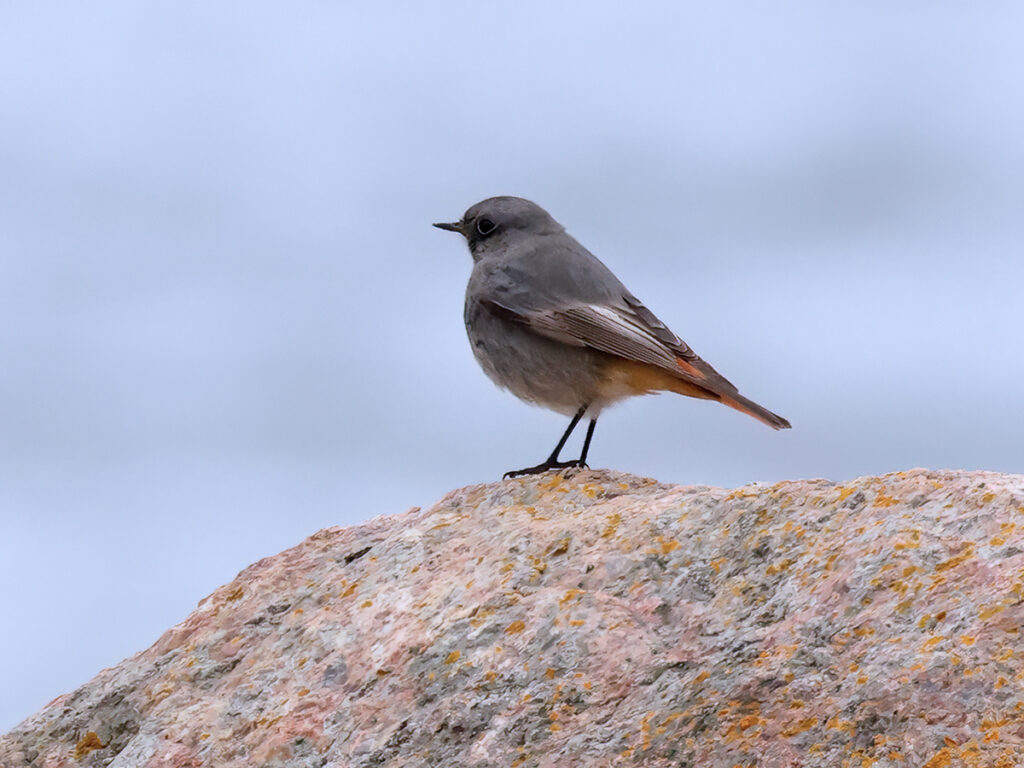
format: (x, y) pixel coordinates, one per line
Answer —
(597, 619)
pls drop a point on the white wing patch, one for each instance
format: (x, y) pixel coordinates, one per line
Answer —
(607, 329)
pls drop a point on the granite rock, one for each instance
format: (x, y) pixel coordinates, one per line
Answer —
(595, 619)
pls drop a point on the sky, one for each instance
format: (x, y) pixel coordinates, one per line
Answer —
(226, 322)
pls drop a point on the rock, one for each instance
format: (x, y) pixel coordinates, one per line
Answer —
(596, 619)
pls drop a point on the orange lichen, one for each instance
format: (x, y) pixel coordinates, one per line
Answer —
(989, 611)
(779, 566)
(88, 743)
(799, 727)
(668, 546)
(453, 657)
(612, 526)
(966, 553)
(941, 759)
(515, 626)
(351, 588)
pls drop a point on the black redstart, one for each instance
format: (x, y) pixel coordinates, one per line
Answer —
(553, 325)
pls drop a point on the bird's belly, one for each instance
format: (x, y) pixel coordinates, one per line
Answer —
(535, 369)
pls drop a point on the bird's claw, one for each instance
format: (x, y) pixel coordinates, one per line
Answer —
(547, 466)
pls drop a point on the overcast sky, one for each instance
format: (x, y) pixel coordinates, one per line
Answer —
(225, 320)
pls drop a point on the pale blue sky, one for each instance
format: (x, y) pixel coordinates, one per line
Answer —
(225, 320)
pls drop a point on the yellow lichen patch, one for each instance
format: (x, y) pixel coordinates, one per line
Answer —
(845, 493)
(549, 673)
(515, 626)
(669, 545)
(670, 719)
(987, 498)
(612, 526)
(881, 500)
(235, 594)
(838, 724)
(551, 484)
(570, 594)
(645, 729)
(800, 726)
(704, 675)
(88, 743)
(480, 615)
(349, 590)
(717, 563)
(559, 548)
(366, 604)
(966, 553)
(302, 691)
(912, 542)
(988, 611)
(453, 657)
(779, 566)
(931, 642)
(967, 640)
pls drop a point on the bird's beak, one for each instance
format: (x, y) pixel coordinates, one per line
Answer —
(455, 226)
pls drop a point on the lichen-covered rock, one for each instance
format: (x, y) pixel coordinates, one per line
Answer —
(596, 619)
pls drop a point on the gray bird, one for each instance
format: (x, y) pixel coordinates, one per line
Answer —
(553, 325)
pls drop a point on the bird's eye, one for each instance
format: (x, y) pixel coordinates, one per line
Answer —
(485, 226)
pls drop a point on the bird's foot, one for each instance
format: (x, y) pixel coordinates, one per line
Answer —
(546, 467)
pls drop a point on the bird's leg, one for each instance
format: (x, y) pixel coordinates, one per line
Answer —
(586, 443)
(552, 461)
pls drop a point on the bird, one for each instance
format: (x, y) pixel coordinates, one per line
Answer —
(553, 325)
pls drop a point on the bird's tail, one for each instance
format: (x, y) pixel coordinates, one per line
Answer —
(749, 407)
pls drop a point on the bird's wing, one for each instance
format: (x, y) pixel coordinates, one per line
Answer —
(625, 329)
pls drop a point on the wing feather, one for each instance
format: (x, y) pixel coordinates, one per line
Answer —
(629, 330)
